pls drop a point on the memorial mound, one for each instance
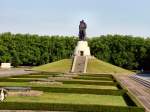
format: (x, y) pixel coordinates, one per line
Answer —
(93, 66)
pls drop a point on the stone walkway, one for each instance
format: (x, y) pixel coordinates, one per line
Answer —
(14, 71)
(141, 92)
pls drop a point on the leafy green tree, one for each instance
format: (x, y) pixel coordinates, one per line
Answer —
(30, 50)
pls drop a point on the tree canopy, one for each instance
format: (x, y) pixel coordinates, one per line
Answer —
(31, 50)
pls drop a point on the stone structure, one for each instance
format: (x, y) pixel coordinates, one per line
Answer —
(6, 65)
(82, 49)
(2, 95)
(81, 52)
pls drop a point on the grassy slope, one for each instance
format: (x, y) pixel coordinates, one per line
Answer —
(98, 66)
(94, 66)
(58, 66)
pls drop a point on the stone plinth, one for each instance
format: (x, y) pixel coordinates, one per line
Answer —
(82, 49)
(5, 65)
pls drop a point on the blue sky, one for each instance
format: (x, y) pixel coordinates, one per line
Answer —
(61, 17)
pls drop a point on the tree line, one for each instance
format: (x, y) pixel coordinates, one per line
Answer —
(32, 50)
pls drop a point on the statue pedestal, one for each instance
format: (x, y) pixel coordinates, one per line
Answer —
(82, 49)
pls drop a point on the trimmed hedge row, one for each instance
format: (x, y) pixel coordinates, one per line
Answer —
(110, 77)
(31, 76)
(46, 73)
(17, 80)
(90, 82)
(81, 90)
(14, 80)
(98, 75)
(66, 107)
(94, 78)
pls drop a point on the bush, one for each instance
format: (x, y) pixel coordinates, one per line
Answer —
(94, 78)
(81, 90)
(15, 80)
(30, 76)
(90, 82)
(66, 107)
(97, 75)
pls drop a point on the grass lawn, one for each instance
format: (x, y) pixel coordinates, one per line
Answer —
(88, 86)
(87, 90)
(14, 84)
(63, 85)
(72, 99)
(98, 66)
(58, 66)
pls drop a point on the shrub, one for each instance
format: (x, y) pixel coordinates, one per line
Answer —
(15, 80)
(97, 75)
(81, 90)
(66, 107)
(94, 78)
(90, 82)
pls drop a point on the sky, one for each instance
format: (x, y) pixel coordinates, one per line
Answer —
(62, 17)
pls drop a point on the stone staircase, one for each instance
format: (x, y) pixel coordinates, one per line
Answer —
(80, 64)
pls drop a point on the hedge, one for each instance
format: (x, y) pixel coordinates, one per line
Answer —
(89, 82)
(97, 75)
(94, 78)
(31, 76)
(81, 90)
(46, 73)
(17, 80)
(67, 107)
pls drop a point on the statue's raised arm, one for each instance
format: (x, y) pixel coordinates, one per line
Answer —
(82, 30)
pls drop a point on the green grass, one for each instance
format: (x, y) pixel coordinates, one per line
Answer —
(88, 86)
(62, 66)
(56, 85)
(98, 66)
(94, 66)
(72, 99)
(14, 84)
(93, 90)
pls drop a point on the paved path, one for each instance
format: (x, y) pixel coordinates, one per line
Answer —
(141, 92)
(13, 71)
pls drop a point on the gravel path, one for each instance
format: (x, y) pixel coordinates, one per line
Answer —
(14, 71)
(141, 92)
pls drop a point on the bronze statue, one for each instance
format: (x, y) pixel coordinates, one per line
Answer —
(82, 30)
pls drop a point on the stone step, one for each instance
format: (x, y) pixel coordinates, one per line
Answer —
(80, 64)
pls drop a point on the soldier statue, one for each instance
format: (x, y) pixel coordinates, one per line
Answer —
(82, 30)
